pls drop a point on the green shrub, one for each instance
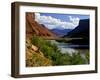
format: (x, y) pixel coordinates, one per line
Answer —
(77, 59)
(87, 57)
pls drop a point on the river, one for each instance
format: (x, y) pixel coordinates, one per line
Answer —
(71, 48)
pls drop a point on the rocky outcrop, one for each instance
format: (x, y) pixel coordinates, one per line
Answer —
(35, 58)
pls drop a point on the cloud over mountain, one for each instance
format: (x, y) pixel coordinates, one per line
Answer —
(52, 22)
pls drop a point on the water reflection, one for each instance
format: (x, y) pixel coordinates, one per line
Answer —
(71, 48)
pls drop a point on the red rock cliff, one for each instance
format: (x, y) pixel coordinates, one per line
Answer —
(34, 28)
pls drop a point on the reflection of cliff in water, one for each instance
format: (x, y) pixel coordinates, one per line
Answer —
(82, 42)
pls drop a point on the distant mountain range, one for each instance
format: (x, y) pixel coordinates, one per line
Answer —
(60, 32)
(34, 28)
(81, 31)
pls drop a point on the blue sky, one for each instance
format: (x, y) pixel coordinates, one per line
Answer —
(60, 21)
(64, 17)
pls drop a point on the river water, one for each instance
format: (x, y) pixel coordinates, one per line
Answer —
(71, 48)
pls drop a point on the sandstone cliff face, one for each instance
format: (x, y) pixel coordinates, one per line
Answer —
(34, 28)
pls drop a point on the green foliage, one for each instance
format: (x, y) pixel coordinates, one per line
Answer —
(52, 52)
(77, 58)
(63, 59)
(87, 57)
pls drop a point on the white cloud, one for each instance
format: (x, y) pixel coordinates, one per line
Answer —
(75, 20)
(51, 22)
